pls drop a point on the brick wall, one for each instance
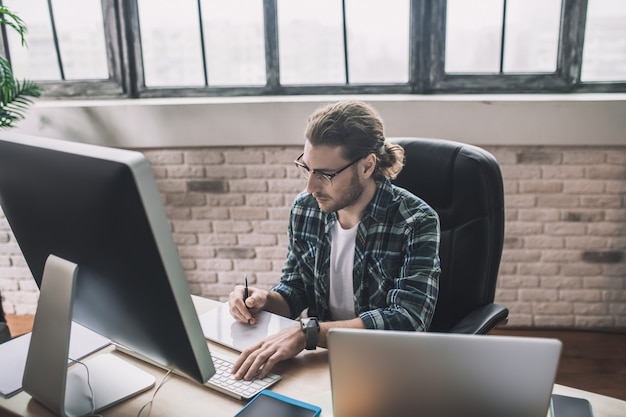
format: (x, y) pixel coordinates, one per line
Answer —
(563, 264)
(564, 256)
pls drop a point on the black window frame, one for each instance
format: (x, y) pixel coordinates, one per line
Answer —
(426, 62)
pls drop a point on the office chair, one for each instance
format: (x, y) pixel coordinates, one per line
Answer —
(463, 183)
(4, 328)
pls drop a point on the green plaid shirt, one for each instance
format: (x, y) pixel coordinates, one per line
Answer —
(396, 261)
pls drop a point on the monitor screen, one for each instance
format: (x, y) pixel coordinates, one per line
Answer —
(100, 208)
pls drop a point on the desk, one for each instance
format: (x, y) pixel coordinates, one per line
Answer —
(305, 377)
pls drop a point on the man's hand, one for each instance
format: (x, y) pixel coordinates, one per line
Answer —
(258, 360)
(245, 311)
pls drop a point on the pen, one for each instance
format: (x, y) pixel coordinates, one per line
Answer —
(245, 291)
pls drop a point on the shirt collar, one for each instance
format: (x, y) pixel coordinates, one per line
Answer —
(377, 208)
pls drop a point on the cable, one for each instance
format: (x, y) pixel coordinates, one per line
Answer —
(154, 393)
(92, 412)
(92, 395)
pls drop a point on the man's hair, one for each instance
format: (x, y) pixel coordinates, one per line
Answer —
(358, 129)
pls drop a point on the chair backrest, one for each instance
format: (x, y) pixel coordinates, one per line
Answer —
(463, 183)
(4, 328)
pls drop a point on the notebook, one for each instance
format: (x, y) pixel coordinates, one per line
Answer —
(219, 326)
(377, 373)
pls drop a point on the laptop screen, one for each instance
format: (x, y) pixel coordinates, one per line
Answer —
(391, 373)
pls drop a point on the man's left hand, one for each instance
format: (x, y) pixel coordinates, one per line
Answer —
(258, 360)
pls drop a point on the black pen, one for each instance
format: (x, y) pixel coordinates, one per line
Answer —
(245, 291)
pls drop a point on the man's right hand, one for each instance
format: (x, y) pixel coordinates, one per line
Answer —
(245, 311)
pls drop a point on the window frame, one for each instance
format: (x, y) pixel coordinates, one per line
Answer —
(426, 62)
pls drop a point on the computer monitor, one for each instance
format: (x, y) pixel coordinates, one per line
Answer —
(98, 209)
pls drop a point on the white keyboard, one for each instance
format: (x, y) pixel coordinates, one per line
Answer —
(225, 382)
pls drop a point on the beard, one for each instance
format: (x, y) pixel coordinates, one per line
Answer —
(329, 205)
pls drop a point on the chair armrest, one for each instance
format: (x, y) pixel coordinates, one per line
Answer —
(482, 320)
(5, 335)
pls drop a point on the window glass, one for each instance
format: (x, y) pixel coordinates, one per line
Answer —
(235, 42)
(378, 40)
(531, 35)
(38, 60)
(604, 52)
(310, 42)
(81, 41)
(80, 31)
(473, 36)
(215, 43)
(170, 43)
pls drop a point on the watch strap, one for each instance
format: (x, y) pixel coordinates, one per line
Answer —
(311, 328)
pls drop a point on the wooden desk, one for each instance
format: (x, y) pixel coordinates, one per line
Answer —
(305, 377)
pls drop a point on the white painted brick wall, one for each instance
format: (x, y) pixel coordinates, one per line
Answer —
(564, 261)
(564, 257)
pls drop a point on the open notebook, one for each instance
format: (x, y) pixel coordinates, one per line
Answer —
(220, 327)
(406, 374)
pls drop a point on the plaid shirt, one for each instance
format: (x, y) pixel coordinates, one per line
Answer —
(396, 261)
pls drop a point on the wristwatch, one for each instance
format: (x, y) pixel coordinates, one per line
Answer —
(311, 328)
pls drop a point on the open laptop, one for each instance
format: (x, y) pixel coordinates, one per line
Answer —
(378, 373)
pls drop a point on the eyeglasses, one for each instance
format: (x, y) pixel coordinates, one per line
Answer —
(323, 177)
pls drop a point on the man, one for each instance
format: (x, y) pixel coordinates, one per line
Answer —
(362, 252)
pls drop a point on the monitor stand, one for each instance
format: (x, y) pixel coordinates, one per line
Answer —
(72, 392)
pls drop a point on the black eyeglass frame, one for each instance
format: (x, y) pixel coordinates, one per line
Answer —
(327, 176)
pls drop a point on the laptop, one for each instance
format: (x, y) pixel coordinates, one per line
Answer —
(379, 373)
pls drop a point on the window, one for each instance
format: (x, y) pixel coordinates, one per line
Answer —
(202, 43)
(495, 36)
(604, 56)
(365, 42)
(148, 48)
(81, 51)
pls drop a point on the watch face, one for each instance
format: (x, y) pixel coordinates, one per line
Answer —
(311, 328)
(310, 322)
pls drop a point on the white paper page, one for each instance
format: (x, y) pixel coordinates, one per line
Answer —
(220, 327)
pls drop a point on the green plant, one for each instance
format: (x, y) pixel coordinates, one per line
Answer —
(16, 97)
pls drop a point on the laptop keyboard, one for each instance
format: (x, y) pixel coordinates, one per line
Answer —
(224, 382)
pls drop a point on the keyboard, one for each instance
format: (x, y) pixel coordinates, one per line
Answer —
(224, 382)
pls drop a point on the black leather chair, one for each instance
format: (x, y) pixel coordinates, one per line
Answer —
(463, 183)
(4, 329)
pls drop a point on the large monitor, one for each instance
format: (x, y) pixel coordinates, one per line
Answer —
(98, 212)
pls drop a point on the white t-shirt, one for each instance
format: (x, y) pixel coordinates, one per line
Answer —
(341, 296)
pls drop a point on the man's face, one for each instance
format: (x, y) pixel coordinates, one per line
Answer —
(343, 190)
